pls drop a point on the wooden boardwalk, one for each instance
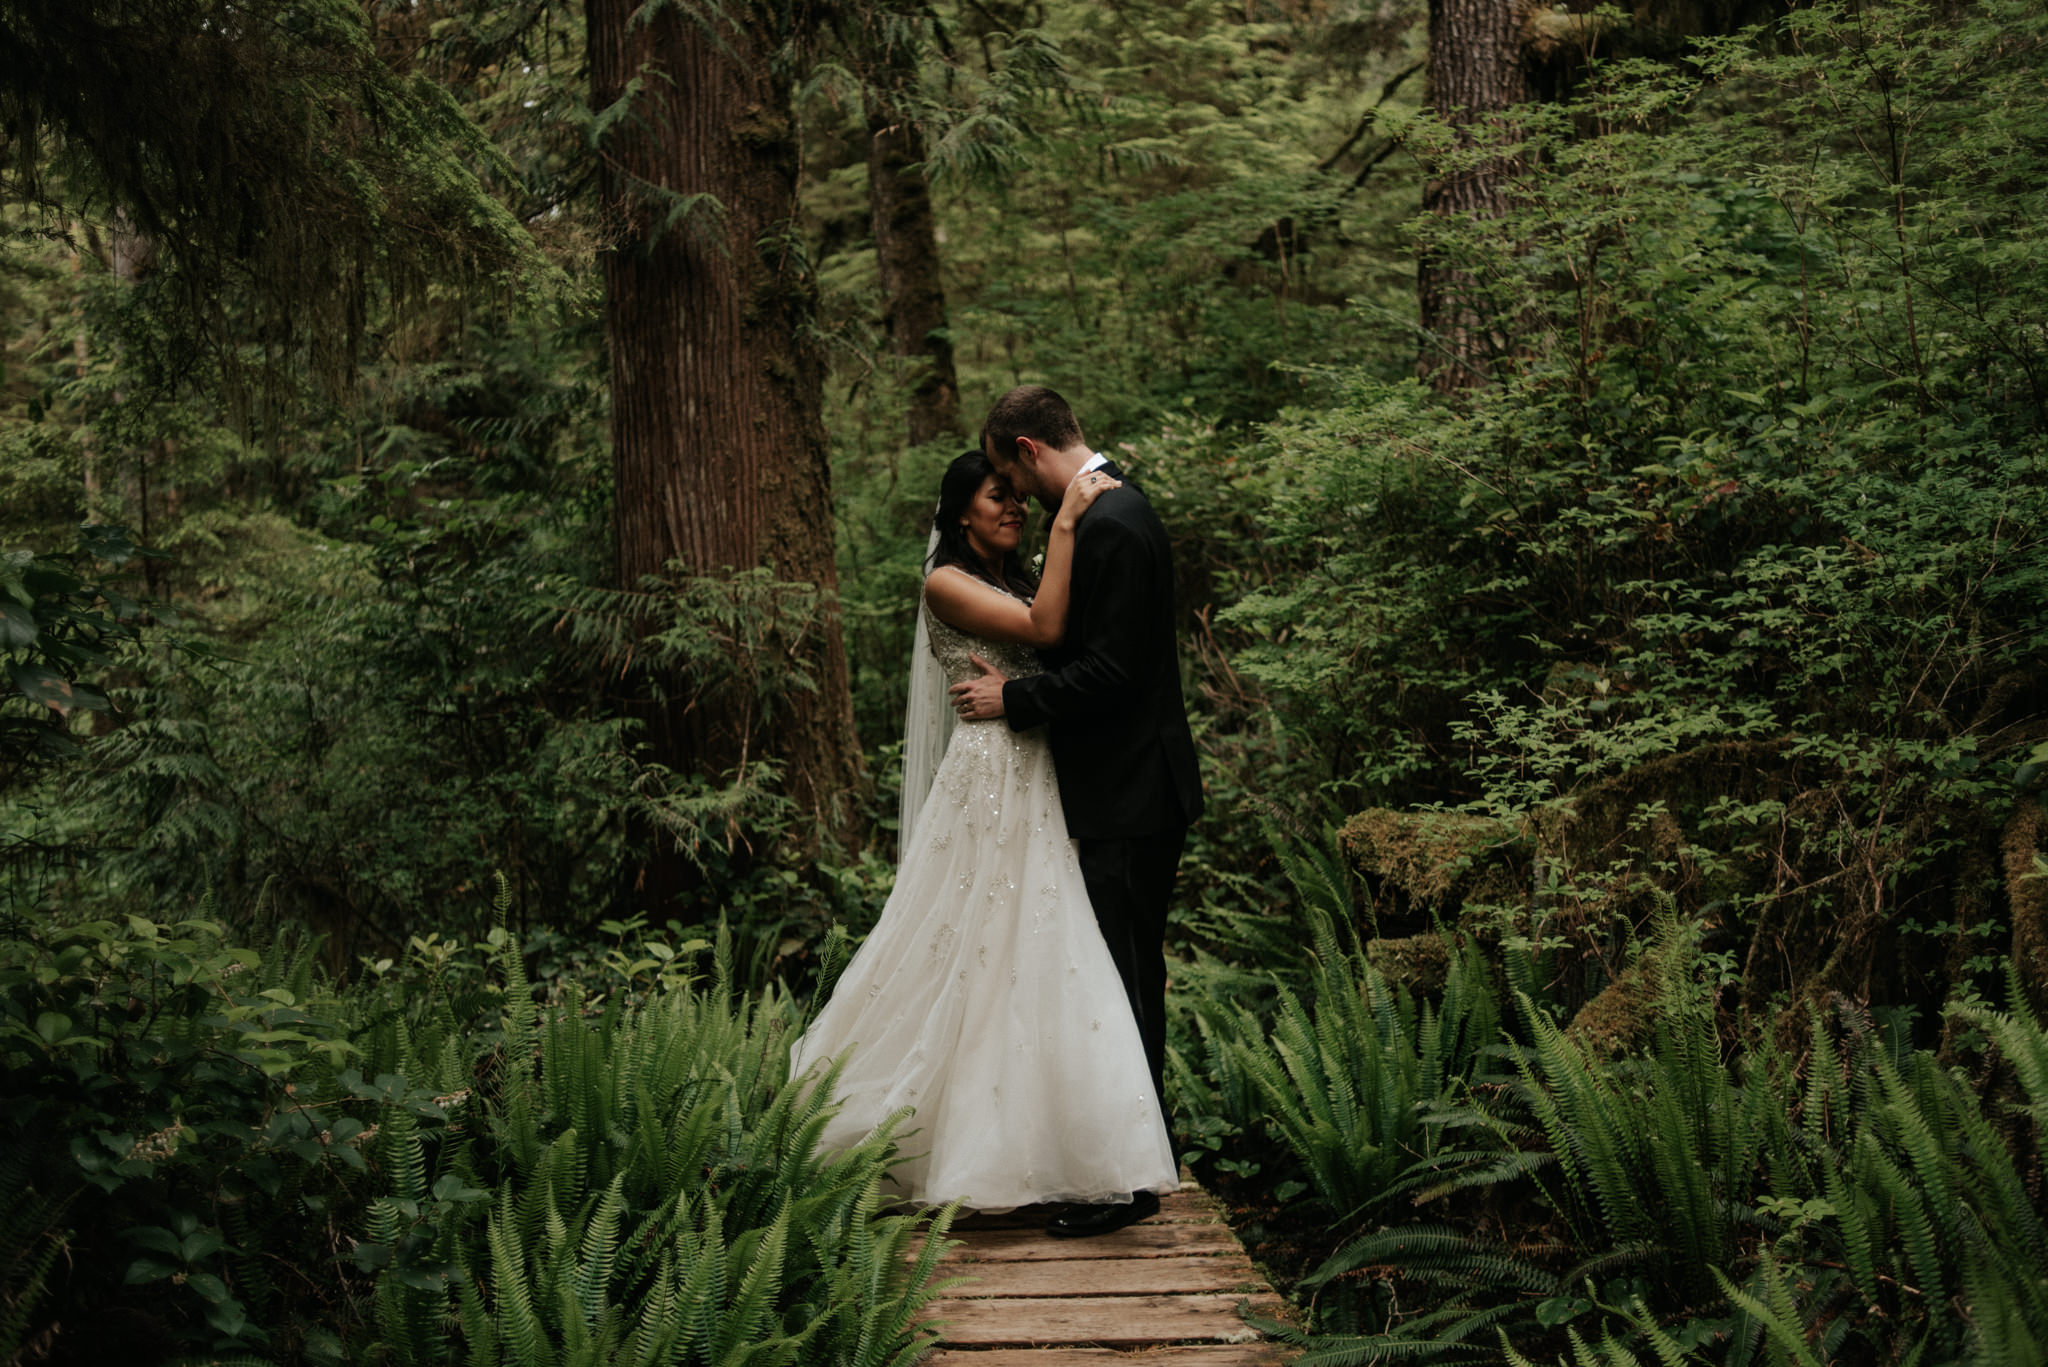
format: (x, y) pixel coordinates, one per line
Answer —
(1164, 1293)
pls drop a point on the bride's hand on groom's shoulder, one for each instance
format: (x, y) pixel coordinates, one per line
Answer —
(1086, 487)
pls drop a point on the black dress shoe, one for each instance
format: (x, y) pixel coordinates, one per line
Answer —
(1085, 1222)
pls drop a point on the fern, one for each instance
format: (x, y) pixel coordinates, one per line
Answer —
(593, 1280)
(1349, 1065)
(1437, 1336)
(833, 956)
(1775, 1310)
(29, 1247)
(660, 1197)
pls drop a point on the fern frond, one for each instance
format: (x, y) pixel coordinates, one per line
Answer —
(1774, 1310)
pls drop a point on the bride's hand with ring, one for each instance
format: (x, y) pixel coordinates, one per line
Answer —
(1087, 486)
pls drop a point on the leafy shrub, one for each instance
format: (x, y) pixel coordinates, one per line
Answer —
(61, 624)
(1733, 582)
(178, 1169)
(211, 1150)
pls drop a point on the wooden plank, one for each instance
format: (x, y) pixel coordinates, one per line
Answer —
(1163, 1293)
(1145, 1240)
(1106, 1321)
(1189, 1203)
(1107, 1277)
(1178, 1355)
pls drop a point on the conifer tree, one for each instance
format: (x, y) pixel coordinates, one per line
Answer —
(1477, 76)
(906, 238)
(719, 455)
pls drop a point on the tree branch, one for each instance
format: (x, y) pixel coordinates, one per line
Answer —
(1387, 149)
(1365, 121)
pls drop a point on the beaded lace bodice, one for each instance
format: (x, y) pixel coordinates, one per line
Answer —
(953, 646)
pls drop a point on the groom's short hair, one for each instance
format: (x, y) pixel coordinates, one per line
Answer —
(1029, 410)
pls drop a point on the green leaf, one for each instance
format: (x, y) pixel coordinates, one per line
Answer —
(452, 1188)
(17, 624)
(1559, 1309)
(155, 1238)
(200, 1244)
(144, 1270)
(422, 1279)
(48, 687)
(209, 1286)
(229, 1317)
(107, 542)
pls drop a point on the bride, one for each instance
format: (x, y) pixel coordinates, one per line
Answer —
(985, 1001)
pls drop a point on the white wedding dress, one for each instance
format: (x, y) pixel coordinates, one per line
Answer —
(985, 1001)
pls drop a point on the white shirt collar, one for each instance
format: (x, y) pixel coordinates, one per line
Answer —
(1095, 462)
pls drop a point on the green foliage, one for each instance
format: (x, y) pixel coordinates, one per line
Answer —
(638, 1183)
(392, 638)
(1723, 605)
(178, 1179)
(1861, 1201)
(59, 630)
(1347, 1080)
(352, 174)
(1732, 581)
(211, 1148)
(1648, 1153)
(416, 611)
(1150, 209)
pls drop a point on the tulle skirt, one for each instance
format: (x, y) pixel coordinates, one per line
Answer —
(986, 1002)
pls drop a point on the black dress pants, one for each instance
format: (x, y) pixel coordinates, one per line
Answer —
(1130, 883)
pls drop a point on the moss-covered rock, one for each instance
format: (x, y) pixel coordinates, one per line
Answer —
(1623, 1014)
(1420, 963)
(2027, 893)
(1424, 866)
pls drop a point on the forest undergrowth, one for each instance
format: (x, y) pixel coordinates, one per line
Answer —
(1620, 933)
(1457, 1174)
(217, 1153)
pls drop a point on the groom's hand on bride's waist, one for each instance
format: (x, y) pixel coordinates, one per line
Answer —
(980, 699)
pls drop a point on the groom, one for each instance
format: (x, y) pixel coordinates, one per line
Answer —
(1120, 739)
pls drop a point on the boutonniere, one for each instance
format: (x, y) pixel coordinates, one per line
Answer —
(1038, 565)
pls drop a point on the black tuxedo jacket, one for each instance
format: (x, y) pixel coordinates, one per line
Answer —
(1111, 688)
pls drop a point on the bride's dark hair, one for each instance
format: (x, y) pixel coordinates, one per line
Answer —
(957, 488)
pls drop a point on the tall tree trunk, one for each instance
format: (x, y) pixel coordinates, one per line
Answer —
(1477, 77)
(88, 442)
(907, 252)
(719, 457)
(132, 256)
